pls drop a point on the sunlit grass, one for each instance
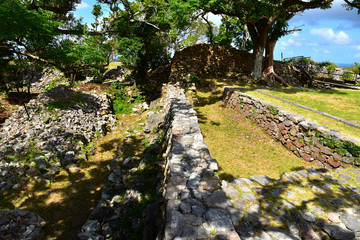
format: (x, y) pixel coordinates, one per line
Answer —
(341, 103)
(240, 146)
(320, 119)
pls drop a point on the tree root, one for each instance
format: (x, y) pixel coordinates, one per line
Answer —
(270, 73)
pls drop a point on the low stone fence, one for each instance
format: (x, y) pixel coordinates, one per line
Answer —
(325, 147)
(195, 208)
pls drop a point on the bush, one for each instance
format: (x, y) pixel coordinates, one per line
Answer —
(330, 66)
(121, 100)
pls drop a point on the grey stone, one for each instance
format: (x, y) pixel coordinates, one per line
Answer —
(261, 179)
(193, 220)
(326, 185)
(245, 229)
(288, 204)
(317, 189)
(200, 194)
(219, 220)
(248, 196)
(235, 215)
(312, 171)
(193, 182)
(351, 222)
(345, 177)
(279, 234)
(231, 192)
(197, 211)
(253, 214)
(241, 182)
(240, 204)
(245, 189)
(337, 202)
(308, 216)
(357, 178)
(174, 224)
(216, 200)
(91, 226)
(303, 173)
(293, 229)
(185, 208)
(338, 233)
(276, 192)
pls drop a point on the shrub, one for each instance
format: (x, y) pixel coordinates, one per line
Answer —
(330, 66)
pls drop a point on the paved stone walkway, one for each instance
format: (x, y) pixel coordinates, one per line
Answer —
(305, 204)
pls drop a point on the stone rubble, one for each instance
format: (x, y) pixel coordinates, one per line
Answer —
(110, 219)
(53, 137)
(20, 224)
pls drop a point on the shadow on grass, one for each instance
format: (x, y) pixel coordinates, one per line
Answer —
(64, 204)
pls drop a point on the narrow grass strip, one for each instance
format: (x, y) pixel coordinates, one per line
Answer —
(352, 124)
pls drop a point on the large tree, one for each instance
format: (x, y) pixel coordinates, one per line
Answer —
(260, 17)
(353, 4)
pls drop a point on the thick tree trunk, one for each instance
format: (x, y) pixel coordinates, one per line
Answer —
(258, 33)
(269, 71)
(269, 53)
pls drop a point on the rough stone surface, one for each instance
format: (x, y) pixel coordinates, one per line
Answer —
(20, 224)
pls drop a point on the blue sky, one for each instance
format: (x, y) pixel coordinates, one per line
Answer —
(327, 35)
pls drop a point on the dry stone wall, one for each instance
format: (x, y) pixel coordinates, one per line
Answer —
(195, 207)
(325, 147)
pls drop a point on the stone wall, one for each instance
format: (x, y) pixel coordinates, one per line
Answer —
(325, 147)
(195, 208)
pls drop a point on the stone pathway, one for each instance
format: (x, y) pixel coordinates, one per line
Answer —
(305, 204)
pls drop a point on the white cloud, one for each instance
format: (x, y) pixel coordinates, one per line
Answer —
(357, 47)
(340, 38)
(294, 40)
(357, 55)
(313, 44)
(326, 51)
(82, 5)
(345, 19)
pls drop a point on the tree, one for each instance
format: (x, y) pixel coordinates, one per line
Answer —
(353, 4)
(232, 32)
(39, 31)
(260, 17)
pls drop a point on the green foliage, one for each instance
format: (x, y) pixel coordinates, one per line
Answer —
(31, 153)
(233, 33)
(273, 109)
(330, 66)
(121, 100)
(352, 148)
(355, 68)
(347, 76)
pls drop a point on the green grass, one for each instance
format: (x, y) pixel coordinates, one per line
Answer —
(340, 103)
(240, 146)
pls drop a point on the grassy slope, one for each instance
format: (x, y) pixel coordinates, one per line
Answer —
(321, 120)
(241, 147)
(337, 102)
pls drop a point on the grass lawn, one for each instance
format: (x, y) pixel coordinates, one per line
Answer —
(337, 102)
(340, 103)
(240, 146)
